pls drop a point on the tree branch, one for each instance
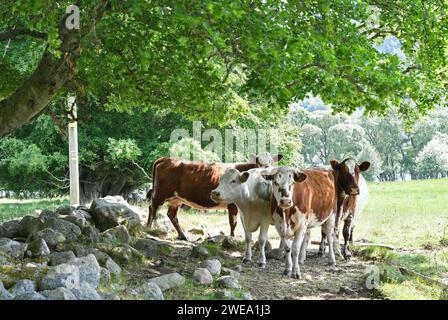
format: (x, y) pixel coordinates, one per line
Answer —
(18, 32)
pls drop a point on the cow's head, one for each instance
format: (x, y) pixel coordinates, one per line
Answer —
(265, 160)
(283, 179)
(230, 186)
(347, 174)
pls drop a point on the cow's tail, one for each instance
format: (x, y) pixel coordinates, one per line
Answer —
(149, 195)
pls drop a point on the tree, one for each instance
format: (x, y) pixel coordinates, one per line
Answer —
(205, 57)
(432, 160)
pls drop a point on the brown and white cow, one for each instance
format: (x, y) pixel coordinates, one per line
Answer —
(352, 193)
(186, 182)
(301, 200)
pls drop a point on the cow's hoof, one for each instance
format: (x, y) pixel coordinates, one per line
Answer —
(261, 265)
(331, 264)
(296, 275)
(247, 260)
(287, 272)
(320, 253)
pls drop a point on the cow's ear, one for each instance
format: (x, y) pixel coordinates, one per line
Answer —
(277, 158)
(267, 176)
(334, 164)
(299, 176)
(244, 176)
(364, 166)
(253, 158)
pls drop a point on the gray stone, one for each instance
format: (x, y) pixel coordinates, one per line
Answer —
(61, 257)
(163, 225)
(151, 291)
(91, 234)
(346, 290)
(113, 267)
(86, 292)
(267, 246)
(202, 276)
(228, 282)
(37, 249)
(105, 276)
(247, 296)
(12, 248)
(81, 222)
(126, 254)
(4, 294)
(47, 214)
(237, 268)
(225, 295)
(199, 252)
(29, 225)
(63, 275)
(70, 230)
(216, 239)
(65, 210)
(30, 296)
(23, 287)
(276, 254)
(119, 235)
(168, 281)
(108, 296)
(229, 243)
(9, 229)
(212, 265)
(112, 211)
(5, 259)
(89, 269)
(51, 237)
(147, 246)
(58, 294)
(231, 272)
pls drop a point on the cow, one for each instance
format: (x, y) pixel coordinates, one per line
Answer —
(251, 193)
(301, 200)
(187, 182)
(352, 192)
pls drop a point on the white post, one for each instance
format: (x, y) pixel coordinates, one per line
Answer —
(73, 152)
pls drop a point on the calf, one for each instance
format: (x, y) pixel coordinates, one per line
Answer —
(301, 200)
(251, 193)
(190, 183)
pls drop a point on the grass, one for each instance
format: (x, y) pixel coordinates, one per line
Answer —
(12, 208)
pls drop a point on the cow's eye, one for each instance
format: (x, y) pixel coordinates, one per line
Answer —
(233, 181)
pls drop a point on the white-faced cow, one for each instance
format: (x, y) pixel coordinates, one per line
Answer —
(301, 200)
(186, 182)
(251, 193)
(352, 193)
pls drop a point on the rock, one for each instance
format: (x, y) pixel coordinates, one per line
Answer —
(346, 290)
(247, 296)
(89, 269)
(12, 248)
(225, 295)
(52, 237)
(163, 225)
(197, 231)
(147, 246)
(151, 291)
(229, 243)
(276, 254)
(100, 256)
(5, 259)
(112, 211)
(108, 296)
(168, 281)
(29, 225)
(47, 214)
(23, 287)
(202, 276)
(69, 230)
(267, 246)
(212, 265)
(126, 254)
(30, 296)
(228, 282)
(199, 252)
(4, 294)
(65, 210)
(216, 239)
(58, 294)
(38, 248)
(113, 267)
(91, 234)
(61, 257)
(231, 272)
(81, 222)
(237, 268)
(63, 275)
(119, 235)
(105, 276)
(9, 229)
(86, 292)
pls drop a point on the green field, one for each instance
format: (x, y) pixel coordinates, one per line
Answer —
(12, 208)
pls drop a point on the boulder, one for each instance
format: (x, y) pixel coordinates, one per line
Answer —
(52, 237)
(29, 225)
(231, 272)
(199, 252)
(86, 292)
(58, 294)
(108, 296)
(276, 254)
(225, 295)
(89, 269)
(4, 294)
(202, 276)
(69, 230)
(168, 281)
(65, 210)
(113, 267)
(228, 282)
(91, 234)
(61, 257)
(163, 225)
(126, 254)
(63, 275)
(112, 211)
(47, 214)
(229, 243)
(30, 296)
(247, 296)
(267, 246)
(212, 265)
(151, 291)
(5, 259)
(37, 249)
(151, 248)
(105, 276)
(81, 222)
(23, 287)
(9, 229)
(118, 235)
(12, 248)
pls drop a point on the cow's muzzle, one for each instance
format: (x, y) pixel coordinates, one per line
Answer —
(285, 203)
(354, 191)
(215, 196)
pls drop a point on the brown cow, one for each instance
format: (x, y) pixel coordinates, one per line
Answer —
(301, 200)
(186, 182)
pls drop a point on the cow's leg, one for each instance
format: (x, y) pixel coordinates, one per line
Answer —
(295, 248)
(304, 247)
(336, 244)
(288, 259)
(329, 231)
(262, 237)
(282, 239)
(351, 233)
(248, 236)
(173, 208)
(322, 245)
(154, 207)
(233, 213)
(346, 232)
